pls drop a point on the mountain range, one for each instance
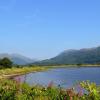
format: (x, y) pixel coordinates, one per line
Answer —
(17, 58)
(82, 56)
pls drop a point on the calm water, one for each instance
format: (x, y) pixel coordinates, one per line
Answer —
(65, 77)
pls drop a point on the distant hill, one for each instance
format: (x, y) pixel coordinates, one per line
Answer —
(17, 59)
(82, 56)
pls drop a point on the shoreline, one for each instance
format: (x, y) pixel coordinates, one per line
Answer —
(13, 72)
(22, 71)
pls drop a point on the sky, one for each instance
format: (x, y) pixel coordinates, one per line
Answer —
(42, 29)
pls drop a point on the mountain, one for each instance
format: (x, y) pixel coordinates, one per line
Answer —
(17, 59)
(82, 56)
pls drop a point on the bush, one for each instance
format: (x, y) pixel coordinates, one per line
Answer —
(14, 90)
(5, 63)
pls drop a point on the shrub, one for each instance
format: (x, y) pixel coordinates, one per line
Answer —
(14, 90)
(6, 63)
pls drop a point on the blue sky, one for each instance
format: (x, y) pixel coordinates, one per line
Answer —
(44, 28)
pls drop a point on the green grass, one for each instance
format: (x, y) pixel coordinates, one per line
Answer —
(14, 90)
(5, 73)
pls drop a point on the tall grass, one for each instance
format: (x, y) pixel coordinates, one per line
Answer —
(14, 90)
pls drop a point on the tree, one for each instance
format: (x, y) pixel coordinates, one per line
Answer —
(6, 63)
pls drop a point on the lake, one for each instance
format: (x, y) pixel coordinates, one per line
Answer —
(66, 77)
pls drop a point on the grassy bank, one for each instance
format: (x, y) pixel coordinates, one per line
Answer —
(5, 73)
(9, 72)
(14, 90)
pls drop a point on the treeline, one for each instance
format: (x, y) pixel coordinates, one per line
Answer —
(56, 64)
(5, 63)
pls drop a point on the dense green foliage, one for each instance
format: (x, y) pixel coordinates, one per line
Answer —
(5, 63)
(83, 56)
(14, 90)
